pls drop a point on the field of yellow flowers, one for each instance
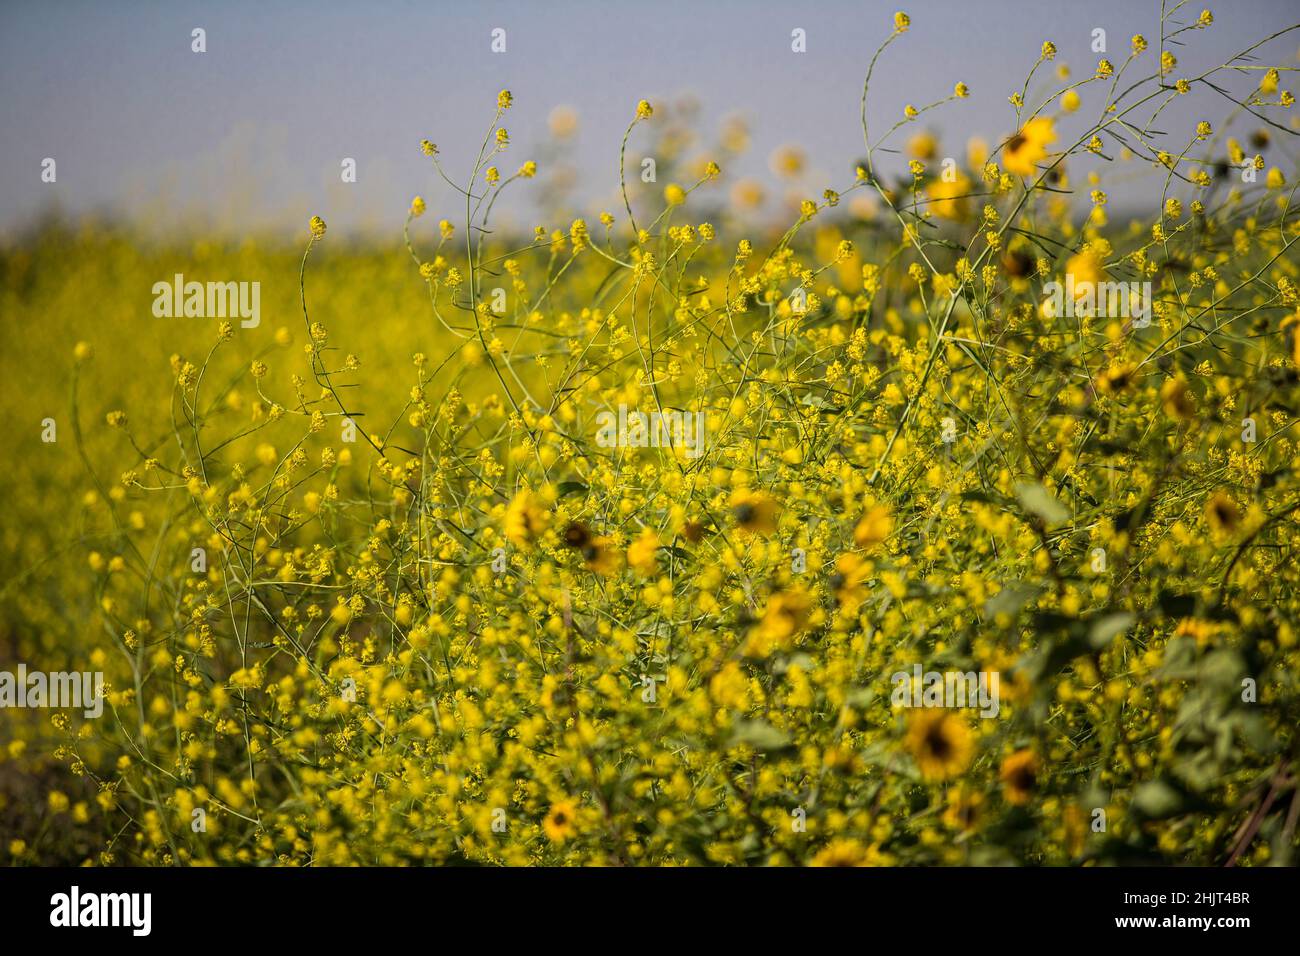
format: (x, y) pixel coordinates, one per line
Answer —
(606, 544)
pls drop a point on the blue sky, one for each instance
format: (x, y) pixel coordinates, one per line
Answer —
(248, 137)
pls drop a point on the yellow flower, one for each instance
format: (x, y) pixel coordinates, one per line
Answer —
(505, 100)
(950, 200)
(417, 206)
(1019, 776)
(1087, 270)
(1222, 513)
(317, 227)
(850, 580)
(1176, 399)
(598, 553)
(940, 742)
(526, 518)
(729, 688)
(559, 823)
(1028, 147)
(901, 22)
(850, 852)
(755, 511)
(601, 556)
(563, 122)
(787, 161)
(641, 553)
(923, 146)
(784, 617)
(1116, 378)
(963, 810)
(644, 110)
(876, 525)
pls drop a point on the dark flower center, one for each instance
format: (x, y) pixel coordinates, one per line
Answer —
(938, 743)
(1023, 778)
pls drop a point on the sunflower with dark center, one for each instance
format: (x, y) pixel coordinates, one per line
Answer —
(577, 536)
(1018, 264)
(940, 742)
(1019, 775)
(559, 823)
(1117, 378)
(1222, 513)
(755, 511)
(1027, 147)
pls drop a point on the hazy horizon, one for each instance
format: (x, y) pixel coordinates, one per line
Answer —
(248, 137)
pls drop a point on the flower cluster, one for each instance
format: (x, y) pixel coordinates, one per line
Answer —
(398, 604)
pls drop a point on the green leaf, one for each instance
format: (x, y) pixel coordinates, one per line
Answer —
(1040, 502)
(759, 734)
(1107, 627)
(1011, 599)
(570, 488)
(1157, 800)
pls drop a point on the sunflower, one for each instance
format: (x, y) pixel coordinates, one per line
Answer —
(1222, 513)
(755, 511)
(1024, 150)
(693, 531)
(559, 825)
(601, 556)
(846, 852)
(1116, 378)
(1019, 264)
(1019, 775)
(923, 146)
(940, 743)
(963, 811)
(577, 535)
(598, 553)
